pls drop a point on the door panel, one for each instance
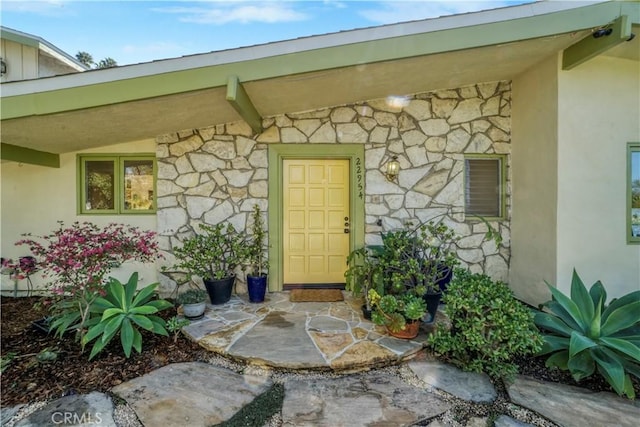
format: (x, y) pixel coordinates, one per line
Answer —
(315, 210)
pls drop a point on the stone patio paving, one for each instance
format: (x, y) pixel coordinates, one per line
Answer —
(308, 335)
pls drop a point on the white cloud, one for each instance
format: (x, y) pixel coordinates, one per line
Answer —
(400, 11)
(243, 12)
(45, 8)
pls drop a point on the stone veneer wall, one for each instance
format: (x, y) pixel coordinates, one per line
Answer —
(218, 173)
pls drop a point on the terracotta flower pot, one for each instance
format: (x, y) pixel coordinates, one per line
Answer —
(410, 330)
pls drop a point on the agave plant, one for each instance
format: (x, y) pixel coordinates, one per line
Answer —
(585, 334)
(123, 310)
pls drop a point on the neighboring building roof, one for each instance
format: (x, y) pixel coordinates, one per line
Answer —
(42, 45)
(67, 113)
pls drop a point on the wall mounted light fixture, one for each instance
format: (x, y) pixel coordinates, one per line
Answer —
(393, 168)
(602, 32)
(3, 67)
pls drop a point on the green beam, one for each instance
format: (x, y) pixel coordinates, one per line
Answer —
(27, 155)
(591, 46)
(240, 101)
(143, 87)
(18, 38)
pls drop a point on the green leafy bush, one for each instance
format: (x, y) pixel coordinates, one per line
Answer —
(489, 326)
(583, 334)
(212, 254)
(122, 311)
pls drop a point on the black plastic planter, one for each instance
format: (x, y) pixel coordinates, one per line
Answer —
(445, 274)
(432, 301)
(220, 290)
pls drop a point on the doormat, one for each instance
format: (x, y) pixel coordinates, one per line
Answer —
(316, 295)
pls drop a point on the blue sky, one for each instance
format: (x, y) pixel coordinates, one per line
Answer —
(140, 31)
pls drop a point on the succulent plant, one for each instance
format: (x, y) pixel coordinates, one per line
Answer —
(584, 334)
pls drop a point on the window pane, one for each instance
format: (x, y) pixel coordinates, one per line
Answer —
(482, 196)
(99, 184)
(138, 184)
(635, 194)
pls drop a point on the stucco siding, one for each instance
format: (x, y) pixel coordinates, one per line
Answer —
(534, 173)
(34, 198)
(599, 112)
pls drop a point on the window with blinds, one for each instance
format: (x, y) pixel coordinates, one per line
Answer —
(483, 186)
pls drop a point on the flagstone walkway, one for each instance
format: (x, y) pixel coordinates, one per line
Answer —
(306, 335)
(325, 337)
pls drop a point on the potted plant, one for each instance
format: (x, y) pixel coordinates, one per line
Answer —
(212, 255)
(400, 314)
(419, 261)
(194, 303)
(362, 274)
(257, 259)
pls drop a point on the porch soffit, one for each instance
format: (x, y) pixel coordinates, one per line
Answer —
(146, 118)
(70, 119)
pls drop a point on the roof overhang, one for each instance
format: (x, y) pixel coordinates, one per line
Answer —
(102, 107)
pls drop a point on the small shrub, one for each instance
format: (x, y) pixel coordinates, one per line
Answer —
(175, 325)
(192, 296)
(489, 326)
(122, 311)
(585, 334)
(77, 259)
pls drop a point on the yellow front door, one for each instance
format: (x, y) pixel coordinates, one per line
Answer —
(315, 221)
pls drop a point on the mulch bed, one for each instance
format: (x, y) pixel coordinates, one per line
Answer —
(27, 380)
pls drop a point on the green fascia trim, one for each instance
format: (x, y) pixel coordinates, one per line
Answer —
(632, 147)
(503, 185)
(590, 47)
(279, 152)
(117, 159)
(114, 92)
(17, 38)
(29, 156)
(240, 101)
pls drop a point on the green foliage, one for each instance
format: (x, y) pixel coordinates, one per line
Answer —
(256, 248)
(66, 315)
(259, 411)
(394, 311)
(6, 360)
(175, 325)
(413, 259)
(489, 326)
(363, 273)
(46, 355)
(212, 254)
(87, 59)
(123, 311)
(192, 296)
(583, 334)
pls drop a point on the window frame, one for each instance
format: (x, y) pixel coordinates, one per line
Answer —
(632, 147)
(118, 160)
(502, 180)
